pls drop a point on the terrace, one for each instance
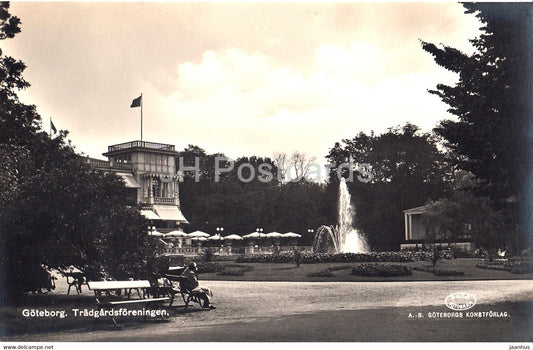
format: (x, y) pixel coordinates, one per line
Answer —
(141, 144)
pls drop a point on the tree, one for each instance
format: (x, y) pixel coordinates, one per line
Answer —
(463, 215)
(244, 198)
(492, 102)
(55, 211)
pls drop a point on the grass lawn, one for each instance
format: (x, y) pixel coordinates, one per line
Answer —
(289, 272)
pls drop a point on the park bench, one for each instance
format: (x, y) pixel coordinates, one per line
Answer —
(74, 279)
(116, 287)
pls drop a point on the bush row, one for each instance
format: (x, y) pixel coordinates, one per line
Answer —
(513, 266)
(311, 258)
(381, 270)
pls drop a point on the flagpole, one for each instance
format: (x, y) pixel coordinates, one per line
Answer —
(141, 116)
(50, 126)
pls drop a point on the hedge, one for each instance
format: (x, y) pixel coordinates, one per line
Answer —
(311, 258)
(381, 270)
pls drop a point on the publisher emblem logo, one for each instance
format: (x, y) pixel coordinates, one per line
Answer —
(460, 301)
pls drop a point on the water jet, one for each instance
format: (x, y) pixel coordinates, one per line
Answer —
(343, 238)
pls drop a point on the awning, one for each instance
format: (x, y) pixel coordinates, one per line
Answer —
(169, 213)
(149, 214)
(129, 180)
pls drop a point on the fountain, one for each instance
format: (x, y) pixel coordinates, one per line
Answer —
(343, 238)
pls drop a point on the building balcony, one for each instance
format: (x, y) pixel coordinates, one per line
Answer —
(106, 165)
(160, 201)
(164, 200)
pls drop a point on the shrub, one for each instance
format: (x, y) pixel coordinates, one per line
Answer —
(381, 270)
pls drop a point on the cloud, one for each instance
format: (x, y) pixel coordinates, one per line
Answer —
(250, 101)
(238, 78)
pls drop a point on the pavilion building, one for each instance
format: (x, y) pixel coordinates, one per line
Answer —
(149, 171)
(416, 233)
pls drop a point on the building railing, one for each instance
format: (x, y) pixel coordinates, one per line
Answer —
(141, 144)
(98, 163)
(121, 165)
(163, 200)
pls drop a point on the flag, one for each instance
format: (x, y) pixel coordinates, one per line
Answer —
(136, 102)
(53, 127)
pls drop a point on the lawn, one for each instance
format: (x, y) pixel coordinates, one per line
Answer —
(289, 272)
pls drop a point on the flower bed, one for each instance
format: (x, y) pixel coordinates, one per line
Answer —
(517, 266)
(487, 266)
(207, 267)
(381, 270)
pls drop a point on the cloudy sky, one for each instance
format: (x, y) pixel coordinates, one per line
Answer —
(239, 78)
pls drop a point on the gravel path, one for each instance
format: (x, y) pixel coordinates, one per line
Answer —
(244, 304)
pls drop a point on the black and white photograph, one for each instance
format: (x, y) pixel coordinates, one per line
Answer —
(281, 173)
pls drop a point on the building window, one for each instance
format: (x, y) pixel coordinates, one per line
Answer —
(156, 188)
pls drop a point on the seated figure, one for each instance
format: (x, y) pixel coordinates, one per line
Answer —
(189, 281)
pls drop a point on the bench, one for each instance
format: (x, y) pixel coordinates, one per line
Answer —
(109, 287)
(74, 279)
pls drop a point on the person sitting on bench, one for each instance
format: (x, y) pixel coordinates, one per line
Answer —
(190, 282)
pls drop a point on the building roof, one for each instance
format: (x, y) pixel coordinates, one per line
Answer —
(417, 210)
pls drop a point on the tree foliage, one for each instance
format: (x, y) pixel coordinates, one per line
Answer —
(491, 136)
(243, 206)
(464, 215)
(54, 210)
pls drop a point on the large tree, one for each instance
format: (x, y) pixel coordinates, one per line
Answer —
(464, 216)
(492, 101)
(55, 211)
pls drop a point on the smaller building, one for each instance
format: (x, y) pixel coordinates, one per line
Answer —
(416, 233)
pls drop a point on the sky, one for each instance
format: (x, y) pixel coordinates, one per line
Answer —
(241, 78)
